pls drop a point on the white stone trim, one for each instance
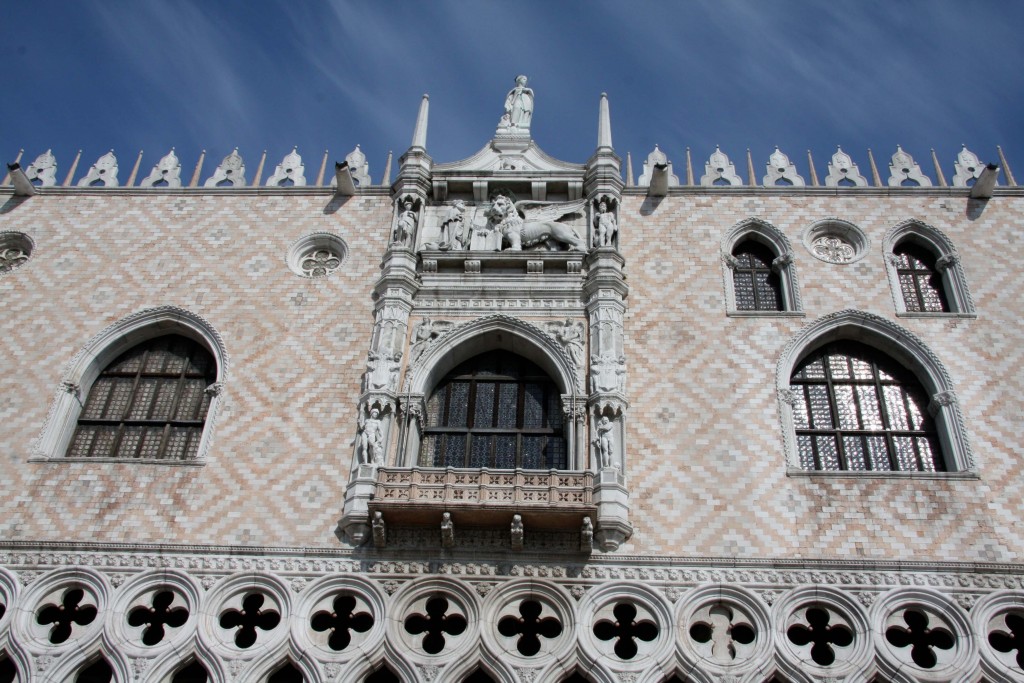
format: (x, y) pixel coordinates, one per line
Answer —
(138, 591)
(49, 589)
(505, 599)
(229, 593)
(734, 597)
(897, 666)
(317, 240)
(852, 663)
(653, 656)
(896, 342)
(947, 259)
(483, 585)
(470, 339)
(101, 350)
(767, 234)
(998, 667)
(412, 597)
(842, 229)
(319, 595)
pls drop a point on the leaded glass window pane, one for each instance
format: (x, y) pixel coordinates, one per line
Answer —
(920, 284)
(507, 408)
(149, 403)
(755, 286)
(858, 409)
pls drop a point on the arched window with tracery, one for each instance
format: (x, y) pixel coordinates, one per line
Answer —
(755, 285)
(857, 409)
(496, 410)
(920, 282)
(149, 403)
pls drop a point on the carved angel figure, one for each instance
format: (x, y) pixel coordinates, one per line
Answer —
(540, 225)
(570, 335)
(426, 332)
(371, 439)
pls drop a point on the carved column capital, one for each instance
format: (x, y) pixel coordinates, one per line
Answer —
(944, 263)
(941, 400)
(782, 261)
(790, 395)
(731, 262)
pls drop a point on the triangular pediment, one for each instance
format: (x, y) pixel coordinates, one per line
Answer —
(516, 158)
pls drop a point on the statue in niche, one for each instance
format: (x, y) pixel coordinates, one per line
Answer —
(607, 373)
(452, 227)
(371, 439)
(540, 226)
(604, 443)
(406, 226)
(605, 226)
(518, 108)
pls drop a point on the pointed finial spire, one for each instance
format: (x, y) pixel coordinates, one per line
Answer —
(629, 170)
(74, 167)
(387, 171)
(938, 169)
(323, 169)
(604, 124)
(1006, 167)
(419, 135)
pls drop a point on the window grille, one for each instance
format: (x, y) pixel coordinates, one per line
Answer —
(150, 403)
(755, 285)
(497, 410)
(920, 284)
(858, 410)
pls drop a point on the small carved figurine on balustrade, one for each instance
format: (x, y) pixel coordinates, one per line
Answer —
(380, 530)
(587, 536)
(406, 225)
(371, 439)
(605, 225)
(604, 443)
(517, 532)
(447, 531)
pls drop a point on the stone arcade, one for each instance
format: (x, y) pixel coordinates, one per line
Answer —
(512, 418)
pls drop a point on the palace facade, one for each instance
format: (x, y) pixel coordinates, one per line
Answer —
(512, 418)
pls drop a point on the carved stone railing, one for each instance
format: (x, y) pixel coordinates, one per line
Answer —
(550, 499)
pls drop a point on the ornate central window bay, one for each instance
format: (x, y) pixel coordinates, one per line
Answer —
(496, 410)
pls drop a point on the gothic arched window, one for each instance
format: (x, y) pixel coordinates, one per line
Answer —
(856, 409)
(920, 283)
(149, 403)
(496, 410)
(755, 285)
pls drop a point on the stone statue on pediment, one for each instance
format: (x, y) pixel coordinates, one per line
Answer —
(518, 109)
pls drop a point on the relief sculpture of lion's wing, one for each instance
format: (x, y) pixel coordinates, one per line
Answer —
(550, 211)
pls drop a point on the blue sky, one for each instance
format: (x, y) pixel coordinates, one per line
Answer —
(140, 74)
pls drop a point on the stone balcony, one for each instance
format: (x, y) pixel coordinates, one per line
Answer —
(482, 498)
